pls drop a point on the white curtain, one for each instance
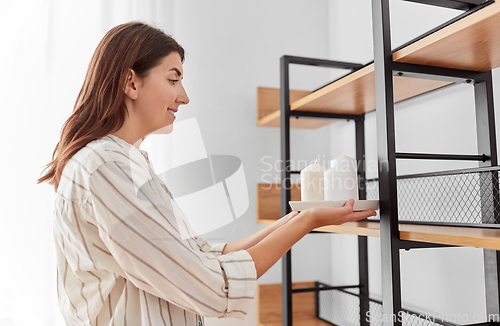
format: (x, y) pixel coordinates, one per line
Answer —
(44, 52)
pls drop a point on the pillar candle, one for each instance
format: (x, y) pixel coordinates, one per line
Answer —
(312, 182)
(341, 180)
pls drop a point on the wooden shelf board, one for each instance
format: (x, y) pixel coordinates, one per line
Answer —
(268, 109)
(449, 235)
(354, 94)
(268, 211)
(369, 229)
(471, 43)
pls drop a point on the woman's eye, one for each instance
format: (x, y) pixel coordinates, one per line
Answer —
(173, 81)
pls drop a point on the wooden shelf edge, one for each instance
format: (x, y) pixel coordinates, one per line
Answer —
(273, 121)
(268, 112)
(268, 120)
(369, 229)
(358, 74)
(354, 94)
(470, 26)
(448, 235)
(452, 235)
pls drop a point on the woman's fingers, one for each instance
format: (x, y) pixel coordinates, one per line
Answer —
(285, 219)
(349, 203)
(356, 216)
(339, 215)
(292, 214)
(359, 215)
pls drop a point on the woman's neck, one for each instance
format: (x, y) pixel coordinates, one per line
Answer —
(128, 137)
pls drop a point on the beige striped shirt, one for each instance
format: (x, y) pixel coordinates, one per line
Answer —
(126, 254)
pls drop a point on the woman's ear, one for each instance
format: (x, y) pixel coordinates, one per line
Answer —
(131, 85)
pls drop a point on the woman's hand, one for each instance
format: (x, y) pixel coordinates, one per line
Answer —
(255, 238)
(322, 216)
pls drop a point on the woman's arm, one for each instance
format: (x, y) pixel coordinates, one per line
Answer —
(268, 251)
(255, 238)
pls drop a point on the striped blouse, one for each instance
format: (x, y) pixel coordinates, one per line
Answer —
(126, 254)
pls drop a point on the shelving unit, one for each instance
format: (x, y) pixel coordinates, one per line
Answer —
(470, 43)
(353, 94)
(465, 50)
(436, 234)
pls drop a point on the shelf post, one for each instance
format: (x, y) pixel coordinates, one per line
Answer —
(386, 147)
(486, 144)
(285, 190)
(360, 155)
(364, 294)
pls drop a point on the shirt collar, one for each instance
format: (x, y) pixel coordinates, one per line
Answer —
(128, 145)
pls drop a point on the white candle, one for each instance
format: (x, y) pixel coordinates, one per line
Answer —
(341, 180)
(312, 182)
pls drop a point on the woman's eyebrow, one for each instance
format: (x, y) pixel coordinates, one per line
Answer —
(177, 71)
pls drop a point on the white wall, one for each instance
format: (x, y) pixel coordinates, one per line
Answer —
(32, 115)
(231, 48)
(447, 281)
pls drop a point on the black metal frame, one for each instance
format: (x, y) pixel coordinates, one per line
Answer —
(391, 244)
(385, 68)
(453, 4)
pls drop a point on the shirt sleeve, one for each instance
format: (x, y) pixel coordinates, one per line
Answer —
(140, 230)
(209, 248)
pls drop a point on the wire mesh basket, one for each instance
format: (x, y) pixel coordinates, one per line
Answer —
(338, 307)
(453, 197)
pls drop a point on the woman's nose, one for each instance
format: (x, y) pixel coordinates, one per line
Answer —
(182, 96)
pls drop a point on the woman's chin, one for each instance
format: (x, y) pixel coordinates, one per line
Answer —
(164, 130)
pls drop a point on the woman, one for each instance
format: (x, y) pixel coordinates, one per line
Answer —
(122, 258)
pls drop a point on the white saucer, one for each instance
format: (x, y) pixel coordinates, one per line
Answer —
(359, 205)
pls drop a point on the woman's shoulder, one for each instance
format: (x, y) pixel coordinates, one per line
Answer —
(91, 157)
(100, 151)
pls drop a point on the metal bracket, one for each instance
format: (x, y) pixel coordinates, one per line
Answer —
(438, 73)
(325, 288)
(409, 244)
(324, 115)
(458, 157)
(320, 62)
(453, 4)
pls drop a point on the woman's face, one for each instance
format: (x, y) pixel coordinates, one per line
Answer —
(159, 95)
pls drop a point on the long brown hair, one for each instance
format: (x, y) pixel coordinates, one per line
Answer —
(100, 108)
